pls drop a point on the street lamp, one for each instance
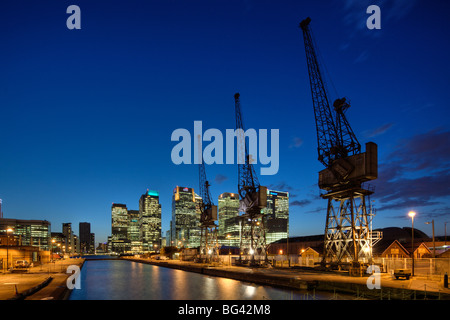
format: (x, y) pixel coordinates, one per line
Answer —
(412, 214)
(434, 245)
(445, 234)
(51, 251)
(9, 230)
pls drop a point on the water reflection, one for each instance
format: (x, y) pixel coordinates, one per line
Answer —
(123, 280)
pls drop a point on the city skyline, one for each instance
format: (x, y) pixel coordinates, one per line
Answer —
(88, 114)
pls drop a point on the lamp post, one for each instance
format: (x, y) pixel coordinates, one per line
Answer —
(51, 251)
(434, 245)
(412, 214)
(7, 247)
(229, 247)
(445, 234)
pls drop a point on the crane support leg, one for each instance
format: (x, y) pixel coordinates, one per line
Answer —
(347, 230)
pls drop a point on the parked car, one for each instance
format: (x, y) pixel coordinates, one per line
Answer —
(22, 264)
(402, 273)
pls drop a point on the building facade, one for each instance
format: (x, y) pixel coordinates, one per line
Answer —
(150, 220)
(34, 233)
(133, 233)
(119, 228)
(70, 245)
(93, 249)
(229, 228)
(276, 216)
(185, 224)
(86, 244)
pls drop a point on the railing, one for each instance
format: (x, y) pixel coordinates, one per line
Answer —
(376, 236)
(425, 266)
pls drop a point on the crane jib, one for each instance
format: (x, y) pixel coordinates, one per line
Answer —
(335, 137)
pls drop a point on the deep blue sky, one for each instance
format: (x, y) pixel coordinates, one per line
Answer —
(87, 115)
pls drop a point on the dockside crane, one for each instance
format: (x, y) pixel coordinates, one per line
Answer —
(348, 239)
(253, 198)
(208, 228)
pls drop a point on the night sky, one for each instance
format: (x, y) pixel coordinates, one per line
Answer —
(87, 115)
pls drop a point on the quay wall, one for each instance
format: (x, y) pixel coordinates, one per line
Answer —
(357, 287)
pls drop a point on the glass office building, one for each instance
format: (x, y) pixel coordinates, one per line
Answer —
(229, 228)
(119, 228)
(133, 234)
(185, 224)
(34, 233)
(150, 220)
(277, 215)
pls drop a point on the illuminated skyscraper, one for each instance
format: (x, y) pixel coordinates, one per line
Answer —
(228, 219)
(119, 228)
(185, 224)
(150, 220)
(133, 233)
(276, 215)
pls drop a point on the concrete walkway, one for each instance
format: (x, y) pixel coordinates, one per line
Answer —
(420, 283)
(46, 281)
(9, 283)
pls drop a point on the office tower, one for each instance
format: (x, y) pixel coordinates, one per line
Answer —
(34, 233)
(67, 231)
(133, 225)
(85, 237)
(1, 208)
(92, 243)
(185, 224)
(133, 233)
(119, 228)
(150, 220)
(228, 206)
(276, 216)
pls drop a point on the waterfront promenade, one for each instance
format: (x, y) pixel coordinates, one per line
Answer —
(419, 287)
(44, 282)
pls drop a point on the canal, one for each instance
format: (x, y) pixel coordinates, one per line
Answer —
(128, 280)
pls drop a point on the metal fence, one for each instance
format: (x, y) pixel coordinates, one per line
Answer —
(424, 267)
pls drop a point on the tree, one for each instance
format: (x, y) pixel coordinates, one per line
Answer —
(169, 251)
